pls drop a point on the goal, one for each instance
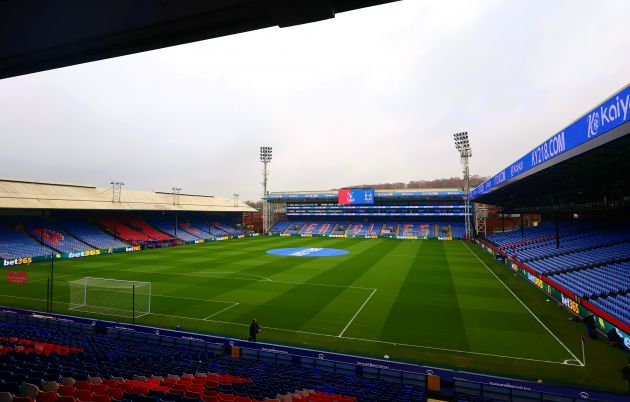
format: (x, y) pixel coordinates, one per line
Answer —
(113, 297)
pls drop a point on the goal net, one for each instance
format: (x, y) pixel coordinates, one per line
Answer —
(110, 297)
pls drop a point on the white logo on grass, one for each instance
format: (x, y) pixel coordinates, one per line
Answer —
(306, 251)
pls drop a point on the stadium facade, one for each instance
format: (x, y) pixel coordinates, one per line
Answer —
(577, 183)
(368, 213)
(42, 221)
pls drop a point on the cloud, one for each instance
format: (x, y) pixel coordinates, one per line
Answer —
(370, 96)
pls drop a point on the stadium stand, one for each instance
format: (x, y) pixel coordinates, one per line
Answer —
(455, 230)
(15, 243)
(52, 236)
(120, 229)
(193, 226)
(142, 226)
(581, 259)
(320, 228)
(89, 233)
(294, 227)
(592, 260)
(615, 305)
(363, 229)
(169, 227)
(54, 364)
(227, 228)
(608, 279)
(216, 232)
(280, 227)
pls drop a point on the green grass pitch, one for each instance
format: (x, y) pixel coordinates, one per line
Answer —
(444, 303)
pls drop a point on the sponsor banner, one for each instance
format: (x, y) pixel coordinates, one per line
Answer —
(403, 194)
(90, 253)
(367, 207)
(19, 277)
(377, 213)
(517, 385)
(358, 361)
(377, 194)
(17, 261)
(362, 236)
(605, 117)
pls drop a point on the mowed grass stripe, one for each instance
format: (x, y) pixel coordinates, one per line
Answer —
(494, 317)
(295, 307)
(259, 293)
(226, 288)
(427, 311)
(127, 267)
(389, 273)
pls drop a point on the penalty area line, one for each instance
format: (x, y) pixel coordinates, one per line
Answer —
(528, 309)
(222, 310)
(565, 363)
(357, 313)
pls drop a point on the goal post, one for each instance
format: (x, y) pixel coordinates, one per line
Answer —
(115, 297)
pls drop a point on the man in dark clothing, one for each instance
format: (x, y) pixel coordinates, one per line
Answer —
(589, 322)
(613, 338)
(253, 330)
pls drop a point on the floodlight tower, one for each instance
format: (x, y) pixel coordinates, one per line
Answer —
(265, 158)
(176, 191)
(116, 190)
(465, 152)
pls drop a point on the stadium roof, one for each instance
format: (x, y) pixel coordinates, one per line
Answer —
(44, 35)
(585, 162)
(19, 194)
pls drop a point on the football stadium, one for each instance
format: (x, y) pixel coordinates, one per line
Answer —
(516, 289)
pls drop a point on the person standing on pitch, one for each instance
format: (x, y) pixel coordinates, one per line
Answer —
(254, 329)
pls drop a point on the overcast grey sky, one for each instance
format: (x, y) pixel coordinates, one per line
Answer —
(371, 96)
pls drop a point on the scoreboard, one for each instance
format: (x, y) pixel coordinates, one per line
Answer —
(357, 196)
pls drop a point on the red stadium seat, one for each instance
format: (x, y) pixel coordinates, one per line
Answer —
(84, 385)
(99, 389)
(102, 398)
(49, 396)
(66, 390)
(115, 393)
(83, 395)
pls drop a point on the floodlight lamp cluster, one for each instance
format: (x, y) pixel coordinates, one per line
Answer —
(265, 154)
(462, 144)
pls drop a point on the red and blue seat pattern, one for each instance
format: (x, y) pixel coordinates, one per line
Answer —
(39, 364)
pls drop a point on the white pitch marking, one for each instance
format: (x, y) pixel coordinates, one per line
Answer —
(220, 311)
(22, 297)
(336, 336)
(371, 340)
(357, 313)
(526, 308)
(264, 279)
